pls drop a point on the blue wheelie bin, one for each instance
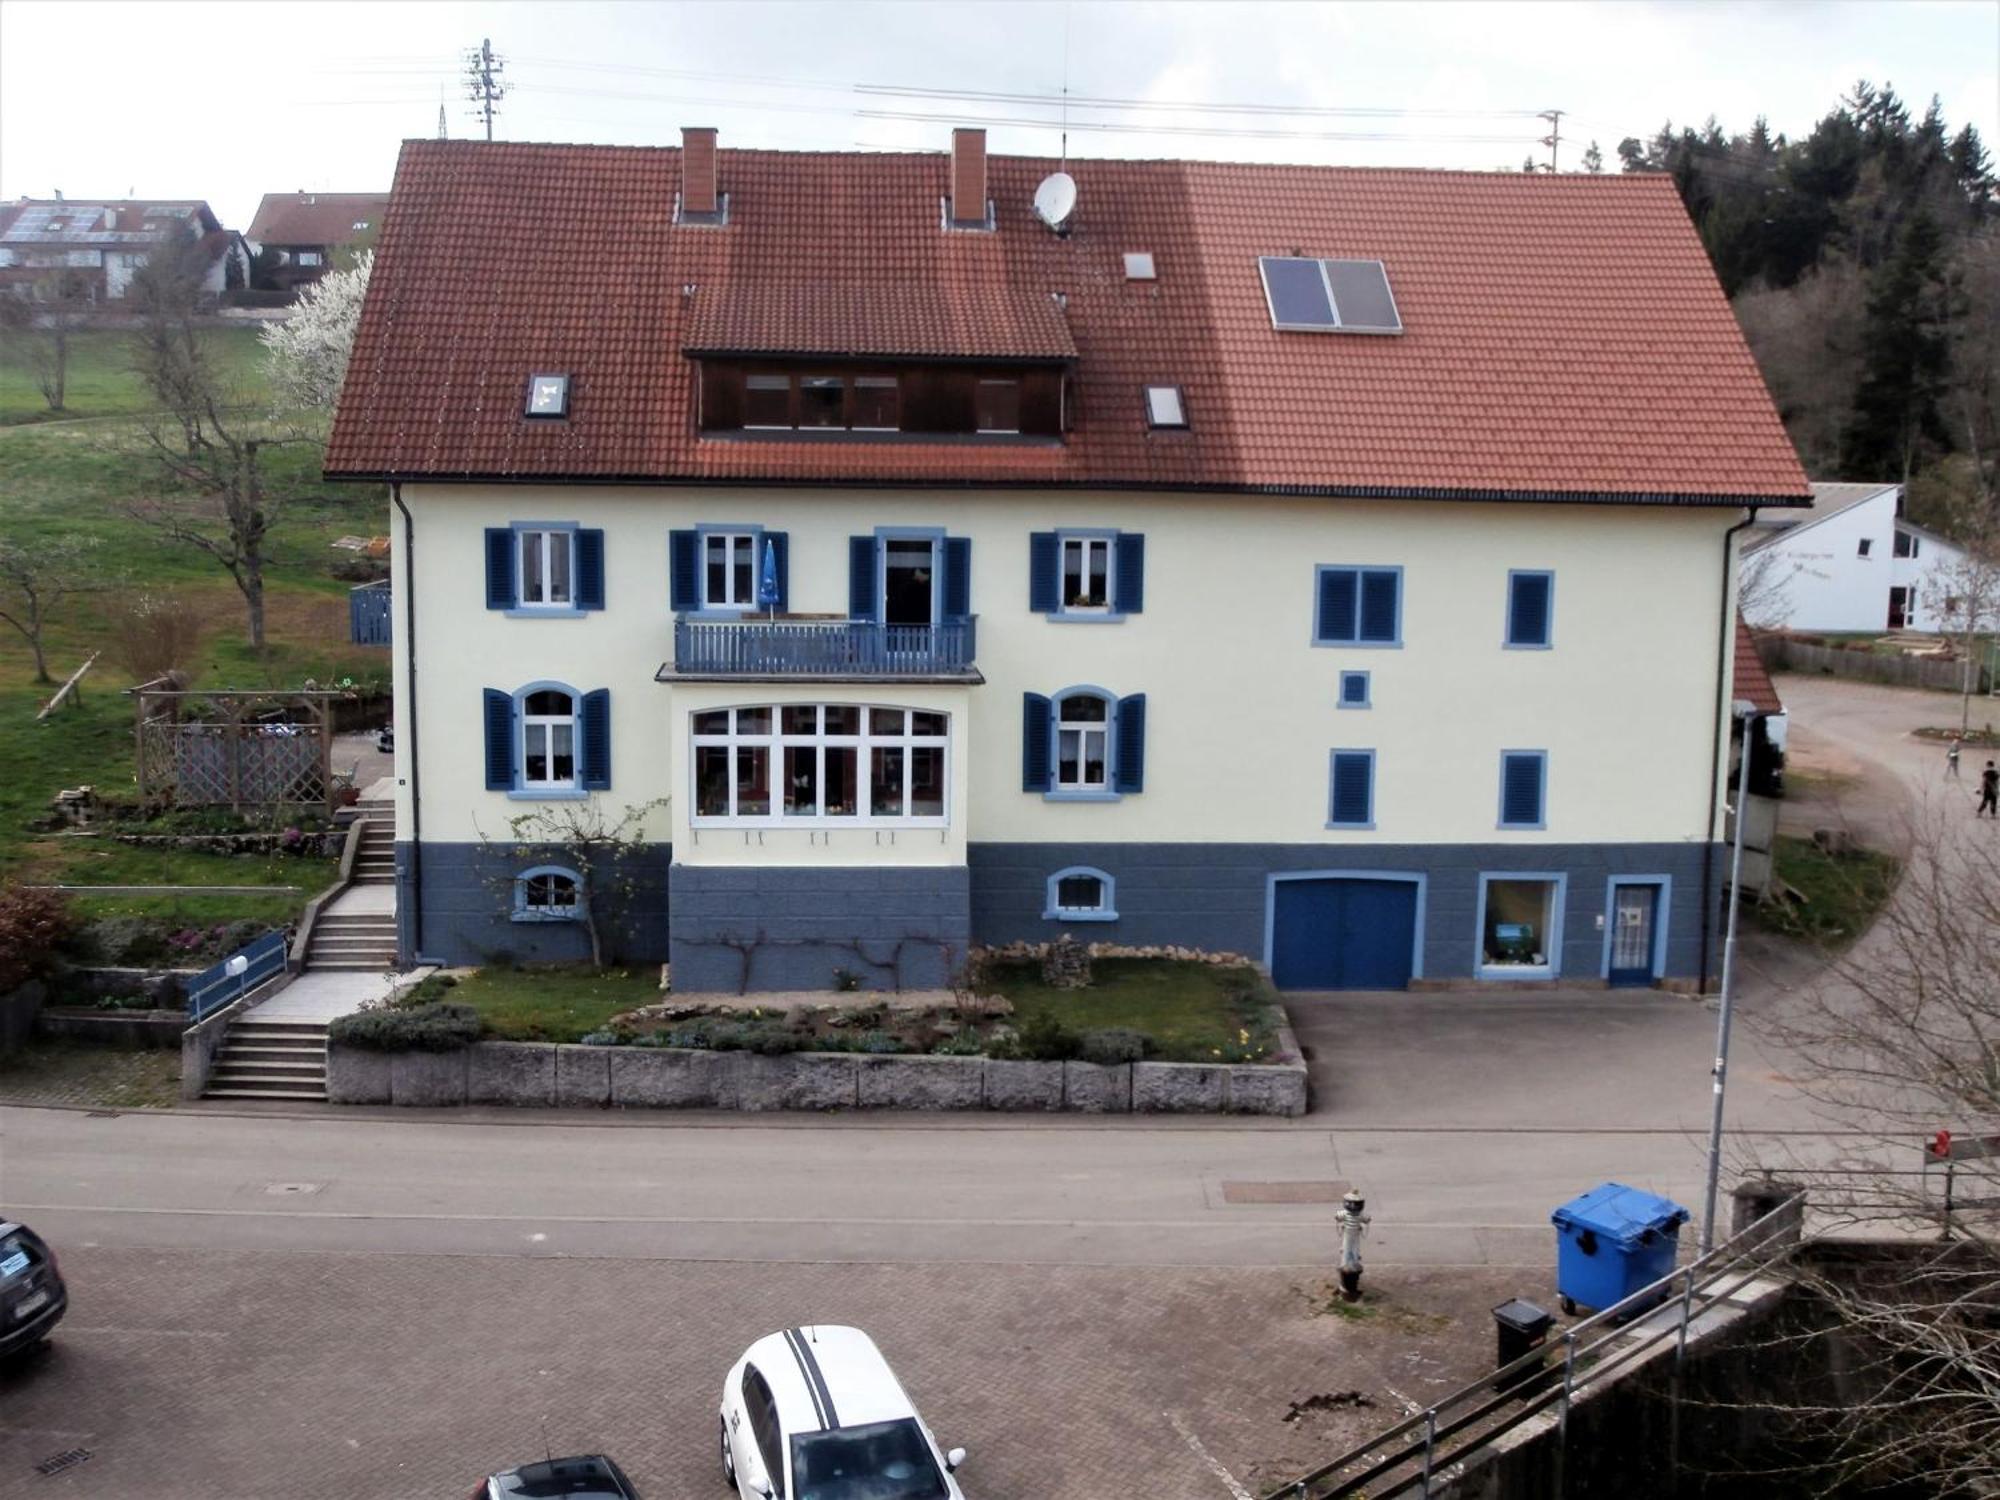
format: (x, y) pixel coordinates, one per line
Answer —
(1611, 1242)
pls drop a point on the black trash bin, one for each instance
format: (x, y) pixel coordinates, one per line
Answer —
(1521, 1328)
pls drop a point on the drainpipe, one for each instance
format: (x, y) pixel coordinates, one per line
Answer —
(416, 881)
(1724, 646)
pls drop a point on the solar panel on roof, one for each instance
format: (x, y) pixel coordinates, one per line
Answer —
(1296, 290)
(1361, 296)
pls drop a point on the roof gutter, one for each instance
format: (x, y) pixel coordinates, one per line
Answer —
(1725, 646)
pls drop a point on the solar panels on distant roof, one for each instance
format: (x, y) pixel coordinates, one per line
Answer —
(1329, 296)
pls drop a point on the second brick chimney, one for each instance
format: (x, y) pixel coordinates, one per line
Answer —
(698, 197)
(968, 177)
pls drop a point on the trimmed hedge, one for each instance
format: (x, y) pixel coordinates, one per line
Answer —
(437, 1027)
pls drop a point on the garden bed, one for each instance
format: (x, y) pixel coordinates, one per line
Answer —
(1838, 896)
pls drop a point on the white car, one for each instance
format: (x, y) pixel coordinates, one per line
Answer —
(815, 1413)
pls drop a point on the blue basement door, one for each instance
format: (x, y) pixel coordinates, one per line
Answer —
(1635, 909)
(1343, 934)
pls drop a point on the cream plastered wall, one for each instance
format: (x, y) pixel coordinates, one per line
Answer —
(1241, 706)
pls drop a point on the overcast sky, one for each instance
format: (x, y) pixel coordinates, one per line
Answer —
(229, 101)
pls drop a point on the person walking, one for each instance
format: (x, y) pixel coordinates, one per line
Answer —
(1989, 791)
(1951, 758)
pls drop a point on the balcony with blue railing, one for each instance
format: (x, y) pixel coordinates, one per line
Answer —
(790, 647)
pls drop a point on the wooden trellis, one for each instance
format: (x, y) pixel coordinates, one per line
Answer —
(240, 750)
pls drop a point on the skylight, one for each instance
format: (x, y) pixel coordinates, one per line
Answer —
(1328, 296)
(1139, 265)
(1163, 406)
(548, 396)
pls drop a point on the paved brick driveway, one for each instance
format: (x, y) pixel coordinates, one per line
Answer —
(249, 1375)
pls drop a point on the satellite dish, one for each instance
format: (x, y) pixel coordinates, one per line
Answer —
(1055, 200)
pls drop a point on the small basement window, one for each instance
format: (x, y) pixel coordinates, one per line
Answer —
(1080, 894)
(547, 894)
(548, 396)
(1164, 407)
(1139, 265)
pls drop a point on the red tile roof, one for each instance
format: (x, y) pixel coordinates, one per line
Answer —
(1566, 337)
(992, 322)
(314, 218)
(1752, 682)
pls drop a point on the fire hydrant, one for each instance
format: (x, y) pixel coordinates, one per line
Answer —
(1353, 1224)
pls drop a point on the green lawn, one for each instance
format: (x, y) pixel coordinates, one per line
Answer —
(1839, 897)
(1191, 1011)
(551, 1004)
(101, 381)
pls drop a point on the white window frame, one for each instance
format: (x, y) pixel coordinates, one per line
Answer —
(1107, 890)
(547, 724)
(526, 911)
(1007, 380)
(1085, 543)
(764, 382)
(548, 536)
(1104, 729)
(864, 744)
(309, 257)
(749, 536)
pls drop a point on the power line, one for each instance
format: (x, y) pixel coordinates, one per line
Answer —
(1112, 128)
(1194, 106)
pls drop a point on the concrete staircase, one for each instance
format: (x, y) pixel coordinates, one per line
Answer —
(375, 861)
(275, 1059)
(364, 941)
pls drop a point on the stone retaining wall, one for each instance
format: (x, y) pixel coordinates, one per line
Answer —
(137, 1030)
(542, 1074)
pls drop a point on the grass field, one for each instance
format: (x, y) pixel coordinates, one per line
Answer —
(1839, 897)
(1186, 1008)
(77, 478)
(552, 1004)
(101, 380)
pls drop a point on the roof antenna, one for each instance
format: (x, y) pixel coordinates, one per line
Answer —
(1065, 89)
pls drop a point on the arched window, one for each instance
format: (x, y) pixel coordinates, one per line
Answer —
(1081, 894)
(547, 893)
(548, 738)
(1083, 728)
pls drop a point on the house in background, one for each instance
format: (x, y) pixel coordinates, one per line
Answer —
(1250, 559)
(107, 241)
(1850, 563)
(303, 230)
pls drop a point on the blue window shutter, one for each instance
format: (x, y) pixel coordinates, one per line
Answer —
(1521, 789)
(861, 578)
(1338, 590)
(780, 544)
(1129, 581)
(1353, 789)
(1528, 609)
(596, 732)
(1378, 604)
(1042, 567)
(1131, 748)
(499, 567)
(957, 577)
(590, 569)
(499, 741)
(1353, 687)
(685, 573)
(1034, 743)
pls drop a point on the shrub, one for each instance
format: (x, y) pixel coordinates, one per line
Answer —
(600, 1039)
(965, 1042)
(154, 634)
(1112, 1045)
(878, 1042)
(125, 939)
(1044, 1038)
(33, 925)
(435, 1027)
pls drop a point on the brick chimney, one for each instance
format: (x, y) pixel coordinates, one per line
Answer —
(968, 176)
(698, 170)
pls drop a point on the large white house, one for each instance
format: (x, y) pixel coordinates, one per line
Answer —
(1326, 565)
(1851, 563)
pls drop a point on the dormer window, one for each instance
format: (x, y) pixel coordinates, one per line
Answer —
(548, 396)
(1164, 407)
(828, 399)
(997, 406)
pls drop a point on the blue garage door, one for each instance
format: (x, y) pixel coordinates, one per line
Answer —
(1339, 934)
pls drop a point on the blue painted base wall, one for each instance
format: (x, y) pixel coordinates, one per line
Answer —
(1214, 896)
(468, 901)
(898, 926)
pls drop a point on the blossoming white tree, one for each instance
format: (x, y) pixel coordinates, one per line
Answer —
(309, 350)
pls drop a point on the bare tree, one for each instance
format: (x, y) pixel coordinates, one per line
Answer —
(1806, 340)
(583, 837)
(42, 325)
(1969, 608)
(1901, 1041)
(209, 440)
(1763, 590)
(36, 575)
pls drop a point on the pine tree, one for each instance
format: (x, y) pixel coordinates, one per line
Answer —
(1905, 359)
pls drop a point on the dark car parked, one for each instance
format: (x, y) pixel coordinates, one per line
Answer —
(32, 1296)
(591, 1478)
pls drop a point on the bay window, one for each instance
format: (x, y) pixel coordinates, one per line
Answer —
(836, 764)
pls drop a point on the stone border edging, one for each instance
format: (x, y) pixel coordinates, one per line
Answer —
(549, 1074)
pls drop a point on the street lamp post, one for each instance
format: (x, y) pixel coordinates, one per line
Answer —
(1746, 715)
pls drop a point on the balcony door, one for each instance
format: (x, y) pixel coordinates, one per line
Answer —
(909, 581)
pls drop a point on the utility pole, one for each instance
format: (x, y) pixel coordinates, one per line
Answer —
(483, 85)
(1553, 140)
